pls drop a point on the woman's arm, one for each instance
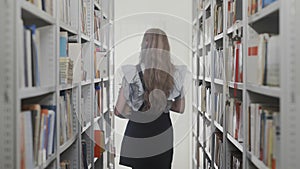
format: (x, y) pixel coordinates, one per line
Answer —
(120, 109)
(178, 105)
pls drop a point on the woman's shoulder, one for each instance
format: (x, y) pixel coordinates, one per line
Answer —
(129, 72)
(180, 73)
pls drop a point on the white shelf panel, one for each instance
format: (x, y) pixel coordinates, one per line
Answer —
(200, 142)
(35, 91)
(200, 14)
(105, 110)
(85, 37)
(105, 15)
(207, 43)
(90, 165)
(218, 81)
(258, 163)
(235, 27)
(87, 82)
(207, 116)
(195, 161)
(195, 21)
(96, 119)
(97, 80)
(105, 46)
(49, 161)
(199, 110)
(200, 77)
(208, 79)
(32, 12)
(67, 144)
(96, 42)
(97, 6)
(264, 90)
(86, 127)
(68, 28)
(236, 85)
(218, 37)
(105, 79)
(208, 154)
(218, 126)
(207, 5)
(66, 86)
(237, 144)
(264, 12)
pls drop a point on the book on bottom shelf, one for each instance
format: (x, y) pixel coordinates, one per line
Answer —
(37, 133)
(264, 133)
(65, 164)
(66, 116)
(84, 154)
(236, 160)
(235, 116)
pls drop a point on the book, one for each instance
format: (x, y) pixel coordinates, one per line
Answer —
(63, 44)
(28, 137)
(84, 154)
(75, 55)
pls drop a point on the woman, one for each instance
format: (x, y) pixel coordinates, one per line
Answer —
(149, 91)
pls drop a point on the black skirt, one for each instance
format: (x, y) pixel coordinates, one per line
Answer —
(148, 145)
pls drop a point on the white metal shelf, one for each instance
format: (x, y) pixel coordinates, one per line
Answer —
(105, 110)
(68, 28)
(86, 127)
(207, 154)
(105, 46)
(32, 12)
(49, 161)
(194, 21)
(218, 126)
(200, 14)
(236, 85)
(97, 6)
(258, 163)
(218, 81)
(98, 80)
(207, 116)
(237, 144)
(218, 37)
(35, 91)
(105, 15)
(85, 37)
(90, 165)
(67, 144)
(96, 42)
(207, 43)
(208, 79)
(66, 86)
(207, 5)
(264, 12)
(235, 27)
(264, 90)
(87, 82)
(105, 79)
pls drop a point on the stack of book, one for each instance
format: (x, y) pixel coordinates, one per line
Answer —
(264, 55)
(84, 28)
(264, 133)
(236, 160)
(219, 64)
(235, 119)
(219, 108)
(65, 164)
(218, 149)
(255, 6)
(235, 61)
(66, 116)
(38, 138)
(66, 64)
(218, 11)
(97, 25)
(235, 12)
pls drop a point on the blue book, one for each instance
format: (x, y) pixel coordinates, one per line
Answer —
(63, 44)
(267, 2)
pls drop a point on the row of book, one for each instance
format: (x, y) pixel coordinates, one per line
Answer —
(45, 5)
(84, 19)
(66, 116)
(264, 59)
(97, 24)
(68, 13)
(255, 6)
(264, 133)
(219, 104)
(66, 164)
(207, 64)
(219, 64)
(101, 63)
(234, 112)
(235, 60)
(235, 12)
(218, 20)
(218, 150)
(37, 134)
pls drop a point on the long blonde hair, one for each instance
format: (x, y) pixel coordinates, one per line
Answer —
(159, 70)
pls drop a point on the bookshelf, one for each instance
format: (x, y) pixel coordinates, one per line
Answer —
(234, 41)
(57, 95)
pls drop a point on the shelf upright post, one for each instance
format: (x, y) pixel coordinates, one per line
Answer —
(213, 85)
(8, 85)
(289, 84)
(246, 99)
(226, 155)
